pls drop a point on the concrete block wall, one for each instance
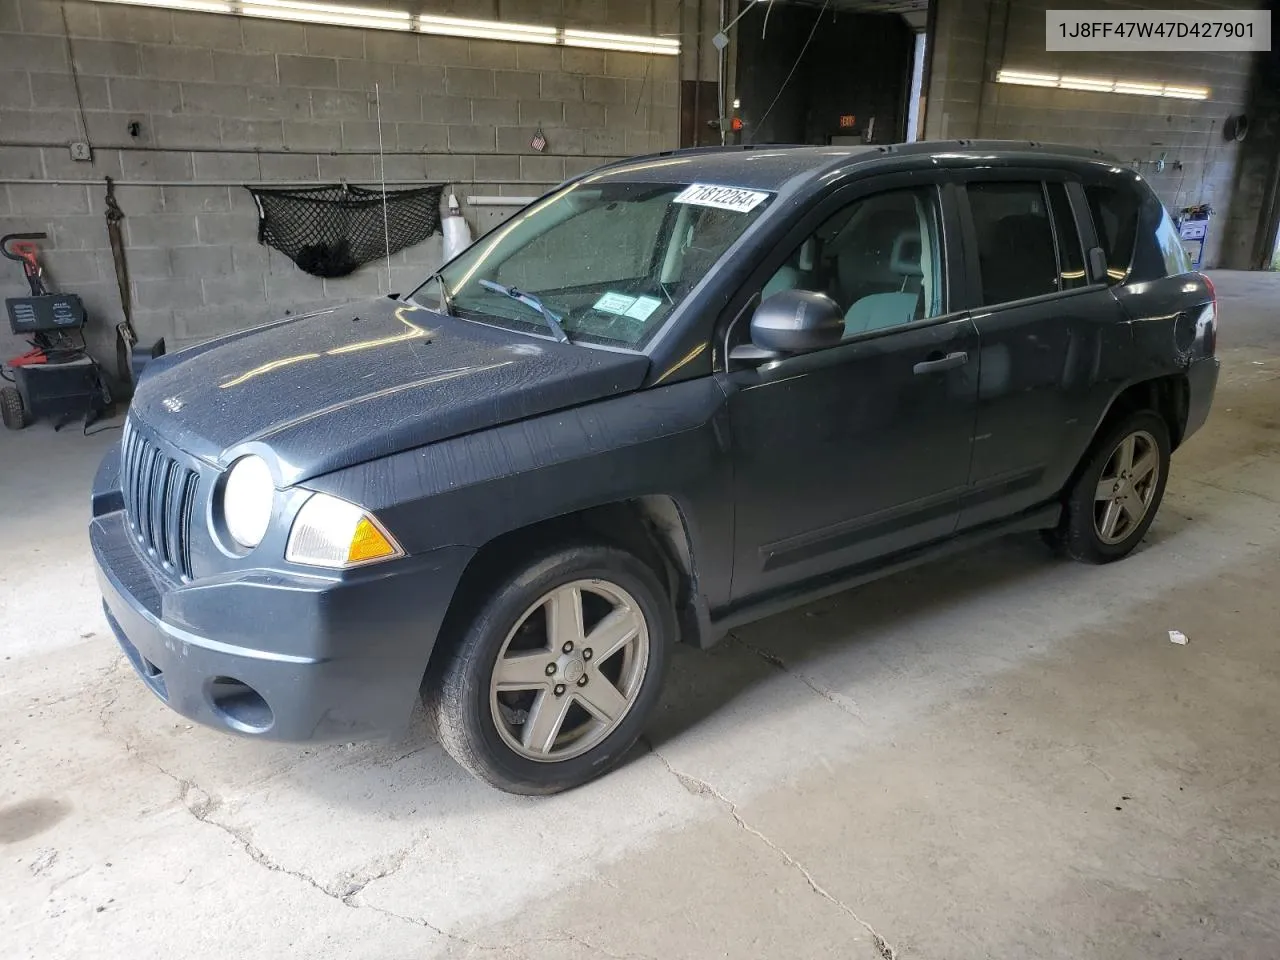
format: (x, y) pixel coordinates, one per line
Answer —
(221, 102)
(974, 38)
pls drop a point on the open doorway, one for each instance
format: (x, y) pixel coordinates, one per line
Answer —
(831, 73)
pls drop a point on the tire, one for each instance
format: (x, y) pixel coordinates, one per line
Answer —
(11, 410)
(510, 737)
(1108, 509)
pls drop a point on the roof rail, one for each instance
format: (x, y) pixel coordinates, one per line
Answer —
(701, 151)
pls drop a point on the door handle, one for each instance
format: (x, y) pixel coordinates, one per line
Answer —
(949, 362)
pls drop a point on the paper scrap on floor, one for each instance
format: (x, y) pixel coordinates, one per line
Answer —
(1177, 636)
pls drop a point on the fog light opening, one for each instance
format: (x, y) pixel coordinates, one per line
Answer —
(240, 706)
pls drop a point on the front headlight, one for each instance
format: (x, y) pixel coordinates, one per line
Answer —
(329, 532)
(247, 498)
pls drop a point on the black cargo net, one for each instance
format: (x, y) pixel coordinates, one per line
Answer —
(331, 230)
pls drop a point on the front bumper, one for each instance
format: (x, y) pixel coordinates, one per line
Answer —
(274, 653)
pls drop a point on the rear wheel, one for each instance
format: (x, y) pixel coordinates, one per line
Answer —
(554, 678)
(1114, 501)
(12, 411)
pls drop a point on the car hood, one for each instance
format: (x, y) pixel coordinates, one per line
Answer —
(328, 390)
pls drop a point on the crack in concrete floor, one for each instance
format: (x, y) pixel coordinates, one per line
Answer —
(839, 701)
(201, 804)
(701, 788)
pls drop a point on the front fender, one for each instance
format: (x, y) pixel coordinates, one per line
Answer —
(469, 490)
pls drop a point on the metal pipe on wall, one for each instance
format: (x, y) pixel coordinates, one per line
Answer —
(697, 81)
(281, 151)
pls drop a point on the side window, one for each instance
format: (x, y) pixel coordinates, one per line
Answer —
(1115, 220)
(880, 258)
(1015, 241)
(1070, 252)
(1174, 253)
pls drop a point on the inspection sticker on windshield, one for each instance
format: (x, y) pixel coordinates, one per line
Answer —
(618, 303)
(643, 308)
(722, 198)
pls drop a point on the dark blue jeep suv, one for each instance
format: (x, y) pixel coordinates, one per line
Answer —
(677, 393)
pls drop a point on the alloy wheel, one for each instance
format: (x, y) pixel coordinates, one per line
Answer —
(569, 671)
(1126, 488)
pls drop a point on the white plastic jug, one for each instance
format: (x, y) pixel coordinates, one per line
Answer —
(457, 235)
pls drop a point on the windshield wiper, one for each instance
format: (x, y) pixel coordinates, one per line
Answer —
(529, 300)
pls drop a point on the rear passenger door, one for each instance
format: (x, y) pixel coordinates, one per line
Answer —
(1047, 331)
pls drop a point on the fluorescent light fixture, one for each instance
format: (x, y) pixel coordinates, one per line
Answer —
(320, 8)
(204, 6)
(1028, 79)
(1086, 83)
(620, 41)
(1101, 85)
(375, 18)
(486, 29)
(325, 13)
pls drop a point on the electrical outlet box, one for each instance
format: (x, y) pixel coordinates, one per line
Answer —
(81, 151)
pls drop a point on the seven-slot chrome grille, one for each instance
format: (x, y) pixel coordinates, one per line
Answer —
(159, 499)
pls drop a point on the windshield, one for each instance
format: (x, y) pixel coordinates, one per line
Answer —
(610, 261)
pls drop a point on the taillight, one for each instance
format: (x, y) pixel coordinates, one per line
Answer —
(1209, 318)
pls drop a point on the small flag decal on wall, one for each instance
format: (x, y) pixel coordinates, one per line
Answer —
(539, 141)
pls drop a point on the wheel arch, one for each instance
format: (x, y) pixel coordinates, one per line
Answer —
(1167, 395)
(653, 527)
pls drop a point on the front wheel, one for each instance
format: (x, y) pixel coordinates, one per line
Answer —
(554, 678)
(1114, 500)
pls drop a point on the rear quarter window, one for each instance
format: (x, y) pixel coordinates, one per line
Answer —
(1115, 220)
(1172, 251)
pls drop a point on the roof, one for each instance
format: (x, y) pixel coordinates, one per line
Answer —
(771, 167)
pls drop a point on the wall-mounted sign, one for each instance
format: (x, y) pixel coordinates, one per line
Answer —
(848, 121)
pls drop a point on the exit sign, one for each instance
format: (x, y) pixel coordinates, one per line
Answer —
(847, 121)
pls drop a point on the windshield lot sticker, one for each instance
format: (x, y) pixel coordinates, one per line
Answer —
(643, 308)
(722, 198)
(615, 303)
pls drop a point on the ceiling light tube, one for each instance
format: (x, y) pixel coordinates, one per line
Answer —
(1140, 89)
(1102, 85)
(1027, 79)
(332, 19)
(621, 41)
(1186, 93)
(342, 11)
(204, 6)
(1087, 83)
(382, 19)
(485, 29)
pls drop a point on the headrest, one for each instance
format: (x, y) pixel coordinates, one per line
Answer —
(807, 257)
(904, 259)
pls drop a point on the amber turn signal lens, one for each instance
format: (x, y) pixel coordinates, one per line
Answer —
(369, 543)
(328, 532)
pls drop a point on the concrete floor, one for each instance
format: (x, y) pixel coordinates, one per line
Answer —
(1000, 756)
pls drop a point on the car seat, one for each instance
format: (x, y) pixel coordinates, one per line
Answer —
(1017, 258)
(879, 310)
(795, 274)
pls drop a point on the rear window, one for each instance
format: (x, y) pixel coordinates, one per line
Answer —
(1115, 219)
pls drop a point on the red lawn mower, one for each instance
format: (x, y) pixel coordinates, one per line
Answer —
(56, 378)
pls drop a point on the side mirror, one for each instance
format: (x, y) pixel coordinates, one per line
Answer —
(1097, 265)
(793, 321)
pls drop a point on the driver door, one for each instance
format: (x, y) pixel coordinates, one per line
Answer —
(861, 450)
